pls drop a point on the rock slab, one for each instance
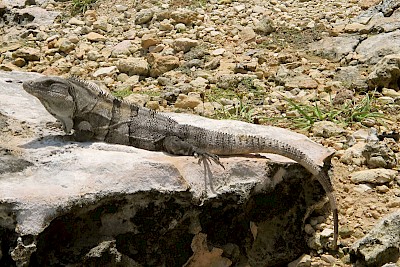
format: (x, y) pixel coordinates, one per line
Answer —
(85, 203)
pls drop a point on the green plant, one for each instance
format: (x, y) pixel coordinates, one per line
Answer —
(80, 6)
(242, 111)
(122, 93)
(245, 95)
(350, 112)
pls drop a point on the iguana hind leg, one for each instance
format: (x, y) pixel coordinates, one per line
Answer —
(176, 146)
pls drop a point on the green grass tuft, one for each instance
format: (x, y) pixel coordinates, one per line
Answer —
(80, 6)
(352, 111)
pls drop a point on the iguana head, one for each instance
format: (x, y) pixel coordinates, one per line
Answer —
(56, 95)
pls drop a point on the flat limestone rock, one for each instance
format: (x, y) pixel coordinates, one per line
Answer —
(69, 197)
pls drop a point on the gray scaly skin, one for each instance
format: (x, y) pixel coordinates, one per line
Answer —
(95, 115)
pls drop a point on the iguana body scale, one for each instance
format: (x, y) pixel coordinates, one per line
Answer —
(94, 114)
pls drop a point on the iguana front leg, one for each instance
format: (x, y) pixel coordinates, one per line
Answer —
(176, 146)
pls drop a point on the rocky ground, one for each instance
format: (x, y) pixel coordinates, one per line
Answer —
(328, 69)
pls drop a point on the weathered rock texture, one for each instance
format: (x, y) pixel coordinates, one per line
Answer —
(366, 39)
(95, 204)
(381, 245)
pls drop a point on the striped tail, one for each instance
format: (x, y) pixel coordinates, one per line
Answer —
(220, 143)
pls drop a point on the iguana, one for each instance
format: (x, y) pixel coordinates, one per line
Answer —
(94, 114)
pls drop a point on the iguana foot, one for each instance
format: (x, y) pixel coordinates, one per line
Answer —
(176, 146)
(201, 155)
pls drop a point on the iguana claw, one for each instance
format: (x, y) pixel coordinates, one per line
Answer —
(208, 156)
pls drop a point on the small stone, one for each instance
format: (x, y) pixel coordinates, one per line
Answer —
(395, 203)
(65, 45)
(156, 49)
(326, 232)
(184, 44)
(121, 8)
(199, 82)
(385, 100)
(354, 155)
(327, 129)
(188, 101)
(122, 77)
(328, 258)
(303, 261)
(184, 15)
(379, 155)
(365, 135)
(385, 73)
(265, 26)
(208, 108)
(93, 55)
(90, 17)
(302, 82)
(154, 105)
(102, 24)
(362, 188)
(345, 231)
(259, 9)
(374, 176)
(165, 25)
(365, 4)
(309, 229)
(382, 188)
(27, 53)
(95, 37)
(133, 66)
(161, 64)
(245, 67)
(247, 35)
(144, 16)
(218, 52)
(19, 62)
(213, 64)
(122, 48)
(73, 39)
(354, 27)
(180, 27)
(239, 8)
(75, 21)
(139, 99)
(104, 71)
(390, 92)
(149, 40)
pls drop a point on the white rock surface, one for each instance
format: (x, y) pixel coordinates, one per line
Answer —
(67, 174)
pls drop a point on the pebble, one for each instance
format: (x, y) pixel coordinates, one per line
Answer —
(382, 188)
(96, 37)
(328, 258)
(190, 101)
(239, 8)
(104, 71)
(373, 176)
(75, 21)
(121, 8)
(218, 52)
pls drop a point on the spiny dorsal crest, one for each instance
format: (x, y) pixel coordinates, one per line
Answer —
(105, 94)
(91, 86)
